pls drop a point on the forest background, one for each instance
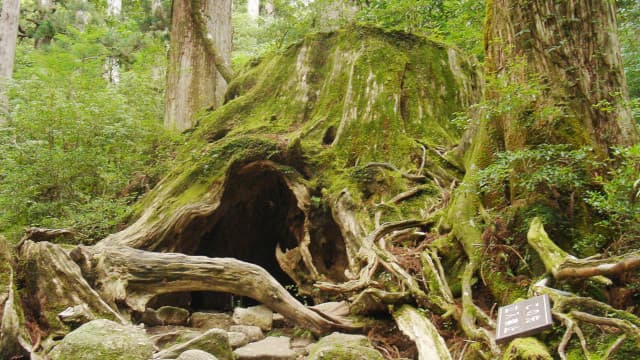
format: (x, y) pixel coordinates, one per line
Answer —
(84, 139)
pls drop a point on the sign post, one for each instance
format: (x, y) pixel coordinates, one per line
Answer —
(524, 318)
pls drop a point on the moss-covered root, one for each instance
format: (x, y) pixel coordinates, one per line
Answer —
(552, 256)
(526, 349)
(574, 311)
(562, 265)
(417, 327)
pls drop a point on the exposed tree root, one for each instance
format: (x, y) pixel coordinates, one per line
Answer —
(564, 305)
(371, 258)
(418, 328)
(563, 266)
(415, 178)
(134, 276)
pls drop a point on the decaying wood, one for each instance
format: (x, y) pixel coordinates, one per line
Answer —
(417, 327)
(134, 276)
(37, 234)
(13, 345)
(55, 281)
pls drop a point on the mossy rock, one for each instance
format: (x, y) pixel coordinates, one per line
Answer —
(104, 339)
(339, 346)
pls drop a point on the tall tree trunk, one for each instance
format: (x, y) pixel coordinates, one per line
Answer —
(558, 80)
(114, 8)
(199, 59)
(112, 64)
(8, 38)
(253, 9)
(574, 45)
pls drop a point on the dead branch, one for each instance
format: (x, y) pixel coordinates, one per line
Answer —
(37, 234)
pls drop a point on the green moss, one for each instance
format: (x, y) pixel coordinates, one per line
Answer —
(103, 339)
(526, 349)
(502, 289)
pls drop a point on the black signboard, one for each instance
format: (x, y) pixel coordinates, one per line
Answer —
(524, 318)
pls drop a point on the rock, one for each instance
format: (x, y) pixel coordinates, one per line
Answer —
(343, 347)
(237, 339)
(104, 339)
(300, 345)
(75, 316)
(196, 355)
(209, 320)
(214, 341)
(166, 315)
(259, 315)
(150, 318)
(253, 333)
(280, 321)
(271, 348)
(164, 336)
(171, 315)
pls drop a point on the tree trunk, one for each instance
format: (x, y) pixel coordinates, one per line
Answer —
(114, 8)
(112, 64)
(8, 38)
(199, 59)
(253, 9)
(573, 45)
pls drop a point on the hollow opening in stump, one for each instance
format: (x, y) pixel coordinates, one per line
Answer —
(261, 210)
(257, 214)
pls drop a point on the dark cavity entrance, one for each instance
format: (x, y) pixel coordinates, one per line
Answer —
(257, 213)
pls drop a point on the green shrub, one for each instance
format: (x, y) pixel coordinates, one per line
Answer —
(76, 143)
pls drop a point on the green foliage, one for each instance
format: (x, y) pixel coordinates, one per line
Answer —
(559, 168)
(79, 149)
(619, 200)
(457, 22)
(288, 24)
(629, 28)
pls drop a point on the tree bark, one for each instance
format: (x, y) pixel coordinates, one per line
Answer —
(199, 59)
(574, 46)
(8, 38)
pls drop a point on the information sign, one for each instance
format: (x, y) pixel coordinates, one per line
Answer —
(524, 318)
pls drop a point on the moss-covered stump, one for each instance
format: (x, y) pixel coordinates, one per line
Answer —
(53, 282)
(104, 339)
(314, 148)
(343, 347)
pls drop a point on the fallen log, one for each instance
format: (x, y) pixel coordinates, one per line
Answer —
(126, 275)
